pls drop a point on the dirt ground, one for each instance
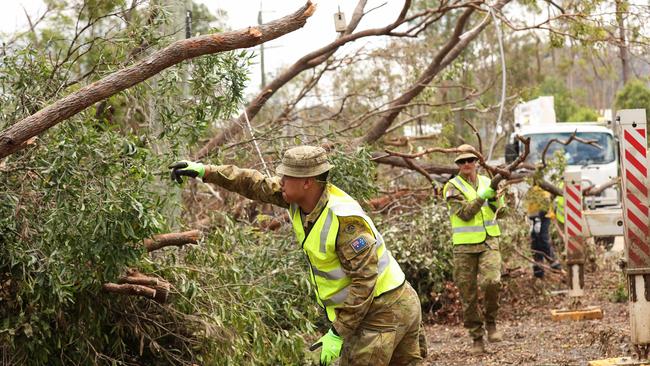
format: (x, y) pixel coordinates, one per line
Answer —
(531, 337)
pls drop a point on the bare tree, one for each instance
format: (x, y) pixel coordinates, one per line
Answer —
(417, 23)
(448, 53)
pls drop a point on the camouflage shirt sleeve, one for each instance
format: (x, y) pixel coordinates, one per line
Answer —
(459, 206)
(355, 247)
(247, 182)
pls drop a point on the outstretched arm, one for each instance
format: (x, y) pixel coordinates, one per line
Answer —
(248, 182)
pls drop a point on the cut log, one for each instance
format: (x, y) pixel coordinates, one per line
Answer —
(131, 290)
(172, 239)
(150, 287)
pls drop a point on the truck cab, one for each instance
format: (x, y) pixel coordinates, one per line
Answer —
(597, 166)
(536, 120)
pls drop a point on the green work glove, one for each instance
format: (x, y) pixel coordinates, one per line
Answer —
(186, 168)
(331, 344)
(486, 192)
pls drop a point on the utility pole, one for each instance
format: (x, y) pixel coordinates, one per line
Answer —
(259, 21)
(621, 9)
(188, 23)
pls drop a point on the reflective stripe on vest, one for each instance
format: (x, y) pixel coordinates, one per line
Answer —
(484, 223)
(331, 285)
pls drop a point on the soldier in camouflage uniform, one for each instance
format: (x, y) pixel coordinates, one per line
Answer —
(477, 259)
(375, 314)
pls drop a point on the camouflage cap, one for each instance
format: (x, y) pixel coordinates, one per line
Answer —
(304, 161)
(463, 154)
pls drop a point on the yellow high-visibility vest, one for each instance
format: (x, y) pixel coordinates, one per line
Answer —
(484, 223)
(331, 284)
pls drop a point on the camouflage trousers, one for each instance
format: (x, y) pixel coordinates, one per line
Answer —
(474, 268)
(390, 334)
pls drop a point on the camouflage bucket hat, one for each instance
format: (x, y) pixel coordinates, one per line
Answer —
(465, 155)
(304, 161)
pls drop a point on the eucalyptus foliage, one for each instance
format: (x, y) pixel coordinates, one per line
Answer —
(420, 240)
(77, 203)
(73, 213)
(240, 298)
(354, 173)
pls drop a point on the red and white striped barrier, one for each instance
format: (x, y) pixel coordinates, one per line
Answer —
(574, 231)
(632, 135)
(574, 224)
(634, 167)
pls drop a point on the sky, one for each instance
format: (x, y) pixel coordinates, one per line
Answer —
(12, 16)
(279, 53)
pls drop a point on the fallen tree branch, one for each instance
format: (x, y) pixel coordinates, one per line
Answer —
(382, 202)
(596, 190)
(138, 284)
(135, 278)
(12, 138)
(446, 150)
(172, 239)
(406, 140)
(571, 138)
(549, 187)
(507, 172)
(499, 173)
(418, 168)
(553, 271)
(397, 161)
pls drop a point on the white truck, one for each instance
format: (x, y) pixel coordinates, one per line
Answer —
(536, 119)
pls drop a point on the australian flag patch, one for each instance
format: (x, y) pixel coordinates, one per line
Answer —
(359, 244)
